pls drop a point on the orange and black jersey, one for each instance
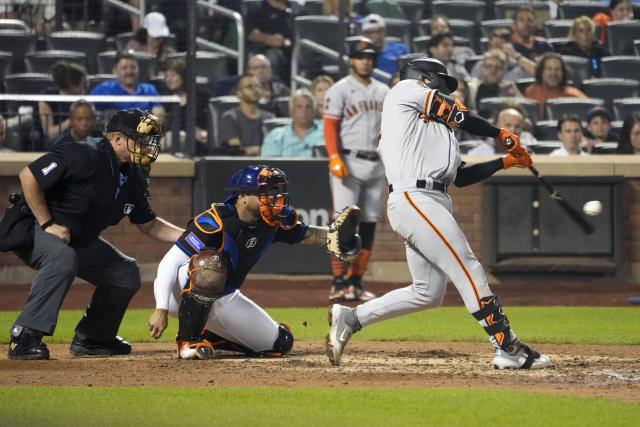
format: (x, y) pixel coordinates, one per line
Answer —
(244, 243)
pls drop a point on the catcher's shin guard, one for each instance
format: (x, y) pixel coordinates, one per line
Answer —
(494, 321)
(192, 316)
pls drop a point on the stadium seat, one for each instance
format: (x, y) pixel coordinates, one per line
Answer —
(487, 106)
(620, 36)
(95, 79)
(467, 145)
(5, 63)
(616, 126)
(403, 59)
(212, 65)
(558, 43)
(544, 147)
(324, 30)
(459, 27)
(421, 43)
(609, 89)
(217, 106)
(312, 7)
(28, 83)
(471, 62)
(41, 61)
(624, 67)
(399, 28)
(484, 44)
(146, 63)
(91, 43)
(471, 10)
(524, 83)
(14, 24)
(489, 26)
(412, 10)
(557, 107)
(18, 43)
(636, 47)
(505, 9)
(122, 39)
(580, 68)
(605, 148)
(545, 130)
(282, 106)
(623, 107)
(270, 124)
(573, 9)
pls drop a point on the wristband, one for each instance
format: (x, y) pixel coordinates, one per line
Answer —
(47, 224)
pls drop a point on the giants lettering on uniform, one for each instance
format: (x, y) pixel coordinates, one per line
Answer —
(362, 106)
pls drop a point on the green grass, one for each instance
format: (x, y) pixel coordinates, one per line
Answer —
(558, 325)
(141, 406)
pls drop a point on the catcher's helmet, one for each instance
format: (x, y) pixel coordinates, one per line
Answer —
(431, 69)
(359, 45)
(141, 127)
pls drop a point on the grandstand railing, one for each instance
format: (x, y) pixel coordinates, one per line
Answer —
(23, 117)
(237, 54)
(296, 78)
(126, 7)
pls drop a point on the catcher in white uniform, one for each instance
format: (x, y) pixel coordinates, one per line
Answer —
(421, 158)
(352, 114)
(199, 278)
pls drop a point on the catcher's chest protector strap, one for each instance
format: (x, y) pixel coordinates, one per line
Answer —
(497, 322)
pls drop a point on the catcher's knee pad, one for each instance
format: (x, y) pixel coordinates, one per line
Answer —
(495, 321)
(283, 343)
(367, 231)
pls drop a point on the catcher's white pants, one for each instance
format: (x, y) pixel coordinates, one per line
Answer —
(436, 249)
(234, 317)
(364, 187)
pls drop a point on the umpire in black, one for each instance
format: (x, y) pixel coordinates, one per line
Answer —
(74, 193)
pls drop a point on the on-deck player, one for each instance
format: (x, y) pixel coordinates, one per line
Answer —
(421, 158)
(199, 278)
(352, 113)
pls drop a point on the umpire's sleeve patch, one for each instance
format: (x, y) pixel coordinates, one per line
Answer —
(195, 243)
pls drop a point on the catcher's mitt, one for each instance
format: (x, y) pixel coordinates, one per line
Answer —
(342, 240)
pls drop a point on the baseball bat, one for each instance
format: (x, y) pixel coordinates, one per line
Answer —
(573, 213)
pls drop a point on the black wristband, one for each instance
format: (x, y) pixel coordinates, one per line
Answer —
(47, 224)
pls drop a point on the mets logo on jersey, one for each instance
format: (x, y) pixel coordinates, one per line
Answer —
(128, 208)
(251, 242)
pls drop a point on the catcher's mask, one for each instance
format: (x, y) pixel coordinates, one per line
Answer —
(143, 131)
(270, 185)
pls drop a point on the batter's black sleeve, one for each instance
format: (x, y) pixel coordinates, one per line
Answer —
(477, 125)
(468, 175)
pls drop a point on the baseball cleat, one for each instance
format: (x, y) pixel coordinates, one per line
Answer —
(519, 356)
(343, 323)
(338, 289)
(357, 291)
(27, 347)
(202, 350)
(90, 347)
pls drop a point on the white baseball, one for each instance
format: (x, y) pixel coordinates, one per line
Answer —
(592, 208)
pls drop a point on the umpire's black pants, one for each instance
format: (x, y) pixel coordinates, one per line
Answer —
(115, 275)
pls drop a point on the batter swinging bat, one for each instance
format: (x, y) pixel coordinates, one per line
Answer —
(570, 210)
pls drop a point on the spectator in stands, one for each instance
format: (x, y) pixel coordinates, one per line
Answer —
(441, 48)
(175, 78)
(270, 88)
(598, 130)
(629, 142)
(126, 69)
(270, 31)
(3, 140)
(37, 14)
(571, 136)
(319, 86)
(152, 38)
(619, 10)
(53, 118)
(298, 138)
(551, 81)
(582, 42)
(439, 24)
(82, 123)
(524, 39)
(332, 7)
(374, 27)
(512, 117)
(491, 83)
(518, 67)
(241, 127)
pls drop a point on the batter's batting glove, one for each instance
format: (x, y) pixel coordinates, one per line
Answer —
(511, 143)
(337, 167)
(524, 161)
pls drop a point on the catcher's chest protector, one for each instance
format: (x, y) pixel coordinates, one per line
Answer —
(244, 243)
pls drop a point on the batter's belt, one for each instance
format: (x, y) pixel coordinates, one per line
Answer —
(360, 154)
(431, 184)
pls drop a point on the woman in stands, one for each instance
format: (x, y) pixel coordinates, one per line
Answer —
(582, 42)
(629, 142)
(319, 86)
(619, 10)
(53, 118)
(152, 38)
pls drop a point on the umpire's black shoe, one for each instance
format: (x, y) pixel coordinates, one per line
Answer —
(27, 347)
(90, 347)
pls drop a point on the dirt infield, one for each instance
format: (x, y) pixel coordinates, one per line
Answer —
(595, 371)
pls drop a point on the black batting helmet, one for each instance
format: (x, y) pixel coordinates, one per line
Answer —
(428, 67)
(359, 45)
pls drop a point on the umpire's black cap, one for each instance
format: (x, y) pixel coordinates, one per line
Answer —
(126, 121)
